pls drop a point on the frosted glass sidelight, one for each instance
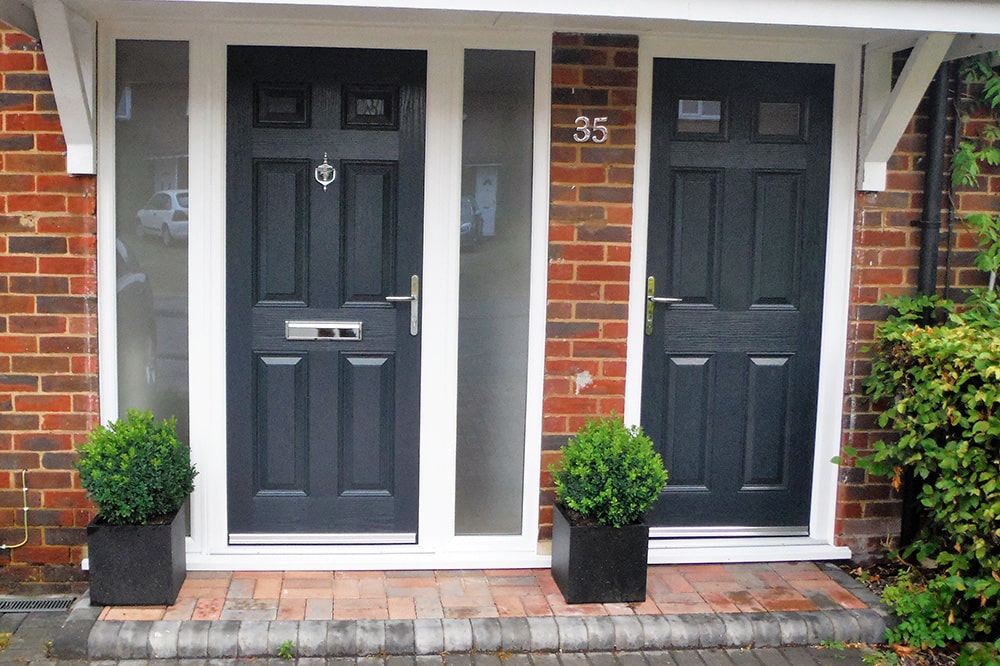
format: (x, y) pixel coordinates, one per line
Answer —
(493, 311)
(151, 157)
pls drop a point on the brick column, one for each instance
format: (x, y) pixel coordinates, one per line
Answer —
(590, 233)
(48, 328)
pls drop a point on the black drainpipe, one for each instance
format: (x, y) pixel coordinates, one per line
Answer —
(930, 241)
(930, 221)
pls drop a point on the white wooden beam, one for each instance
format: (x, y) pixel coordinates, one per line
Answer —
(70, 43)
(885, 112)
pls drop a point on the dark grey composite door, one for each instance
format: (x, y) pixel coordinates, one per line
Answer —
(737, 231)
(323, 371)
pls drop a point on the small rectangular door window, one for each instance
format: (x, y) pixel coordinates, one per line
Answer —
(495, 230)
(699, 116)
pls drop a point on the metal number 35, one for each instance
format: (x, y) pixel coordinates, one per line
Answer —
(594, 131)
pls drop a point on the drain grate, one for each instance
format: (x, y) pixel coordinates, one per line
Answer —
(14, 605)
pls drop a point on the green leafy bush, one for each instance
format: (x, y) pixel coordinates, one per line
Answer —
(941, 385)
(925, 611)
(609, 473)
(135, 469)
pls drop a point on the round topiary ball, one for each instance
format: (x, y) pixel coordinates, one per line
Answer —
(135, 469)
(609, 473)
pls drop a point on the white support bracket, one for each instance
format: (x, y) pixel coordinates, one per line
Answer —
(885, 113)
(70, 43)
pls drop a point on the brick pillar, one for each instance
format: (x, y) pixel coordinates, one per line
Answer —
(590, 232)
(48, 328)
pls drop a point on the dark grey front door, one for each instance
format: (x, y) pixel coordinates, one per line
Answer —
(737, 232)
(323, 370)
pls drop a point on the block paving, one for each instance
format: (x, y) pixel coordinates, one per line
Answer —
(413, 595)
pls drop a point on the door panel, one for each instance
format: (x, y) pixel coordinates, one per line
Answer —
(280, 388)
(738, 198)
(696, 231)
(323, 372)
(369, 229)
(282, 191)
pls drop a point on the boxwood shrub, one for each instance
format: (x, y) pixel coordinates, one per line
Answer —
(135, 469)
(609, 473)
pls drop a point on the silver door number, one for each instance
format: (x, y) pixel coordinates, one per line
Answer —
(594, 130)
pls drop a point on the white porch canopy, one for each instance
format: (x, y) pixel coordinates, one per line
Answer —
(935, 30)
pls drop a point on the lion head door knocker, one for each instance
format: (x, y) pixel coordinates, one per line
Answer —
(325, 173)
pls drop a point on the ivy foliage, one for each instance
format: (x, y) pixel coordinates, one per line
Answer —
(609, 473)
(135, 469)
(941, 387)
(973, 152)
(988, 229)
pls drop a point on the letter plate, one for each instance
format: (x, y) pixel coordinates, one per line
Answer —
(323, 330)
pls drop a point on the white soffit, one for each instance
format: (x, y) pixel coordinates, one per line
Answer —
(958, 16)
(19, 14)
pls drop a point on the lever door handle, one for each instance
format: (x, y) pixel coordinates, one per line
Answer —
(652, 299)
(414, 301)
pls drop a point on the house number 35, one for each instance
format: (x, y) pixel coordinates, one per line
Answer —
(595, 131)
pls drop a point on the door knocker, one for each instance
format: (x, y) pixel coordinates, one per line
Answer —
(325, 173)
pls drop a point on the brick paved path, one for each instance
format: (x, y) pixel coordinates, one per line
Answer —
(408, 595)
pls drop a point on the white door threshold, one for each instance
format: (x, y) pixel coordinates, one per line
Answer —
(748, 549)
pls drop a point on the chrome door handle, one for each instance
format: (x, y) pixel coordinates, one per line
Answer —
(414, 300)
(652, 299)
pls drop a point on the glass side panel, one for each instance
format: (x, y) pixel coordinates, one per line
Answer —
(151, 153)
(699, 116)
(495, 230)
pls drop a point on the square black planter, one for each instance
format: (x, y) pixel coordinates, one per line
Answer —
(597, 563)
(137, 565)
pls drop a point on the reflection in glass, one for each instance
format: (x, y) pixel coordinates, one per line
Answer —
(495, 230)
(778, 119)
(699, 116)
(151, 138)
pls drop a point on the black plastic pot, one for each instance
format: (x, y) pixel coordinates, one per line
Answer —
(597, 563)
(137, 565)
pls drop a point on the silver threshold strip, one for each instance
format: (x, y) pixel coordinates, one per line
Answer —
(339, 539)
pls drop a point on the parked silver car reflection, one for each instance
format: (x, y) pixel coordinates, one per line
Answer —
(165, 214)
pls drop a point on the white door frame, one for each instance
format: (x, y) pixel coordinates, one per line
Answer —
(437, 545)
(847, 61)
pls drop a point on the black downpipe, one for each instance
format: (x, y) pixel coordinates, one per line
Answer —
(930, 221)
(930, 241)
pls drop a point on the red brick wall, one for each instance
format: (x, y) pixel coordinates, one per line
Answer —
(590, 231)
(48, 328)
(886, 249)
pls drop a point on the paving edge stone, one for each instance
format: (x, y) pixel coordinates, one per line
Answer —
(193, 639)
